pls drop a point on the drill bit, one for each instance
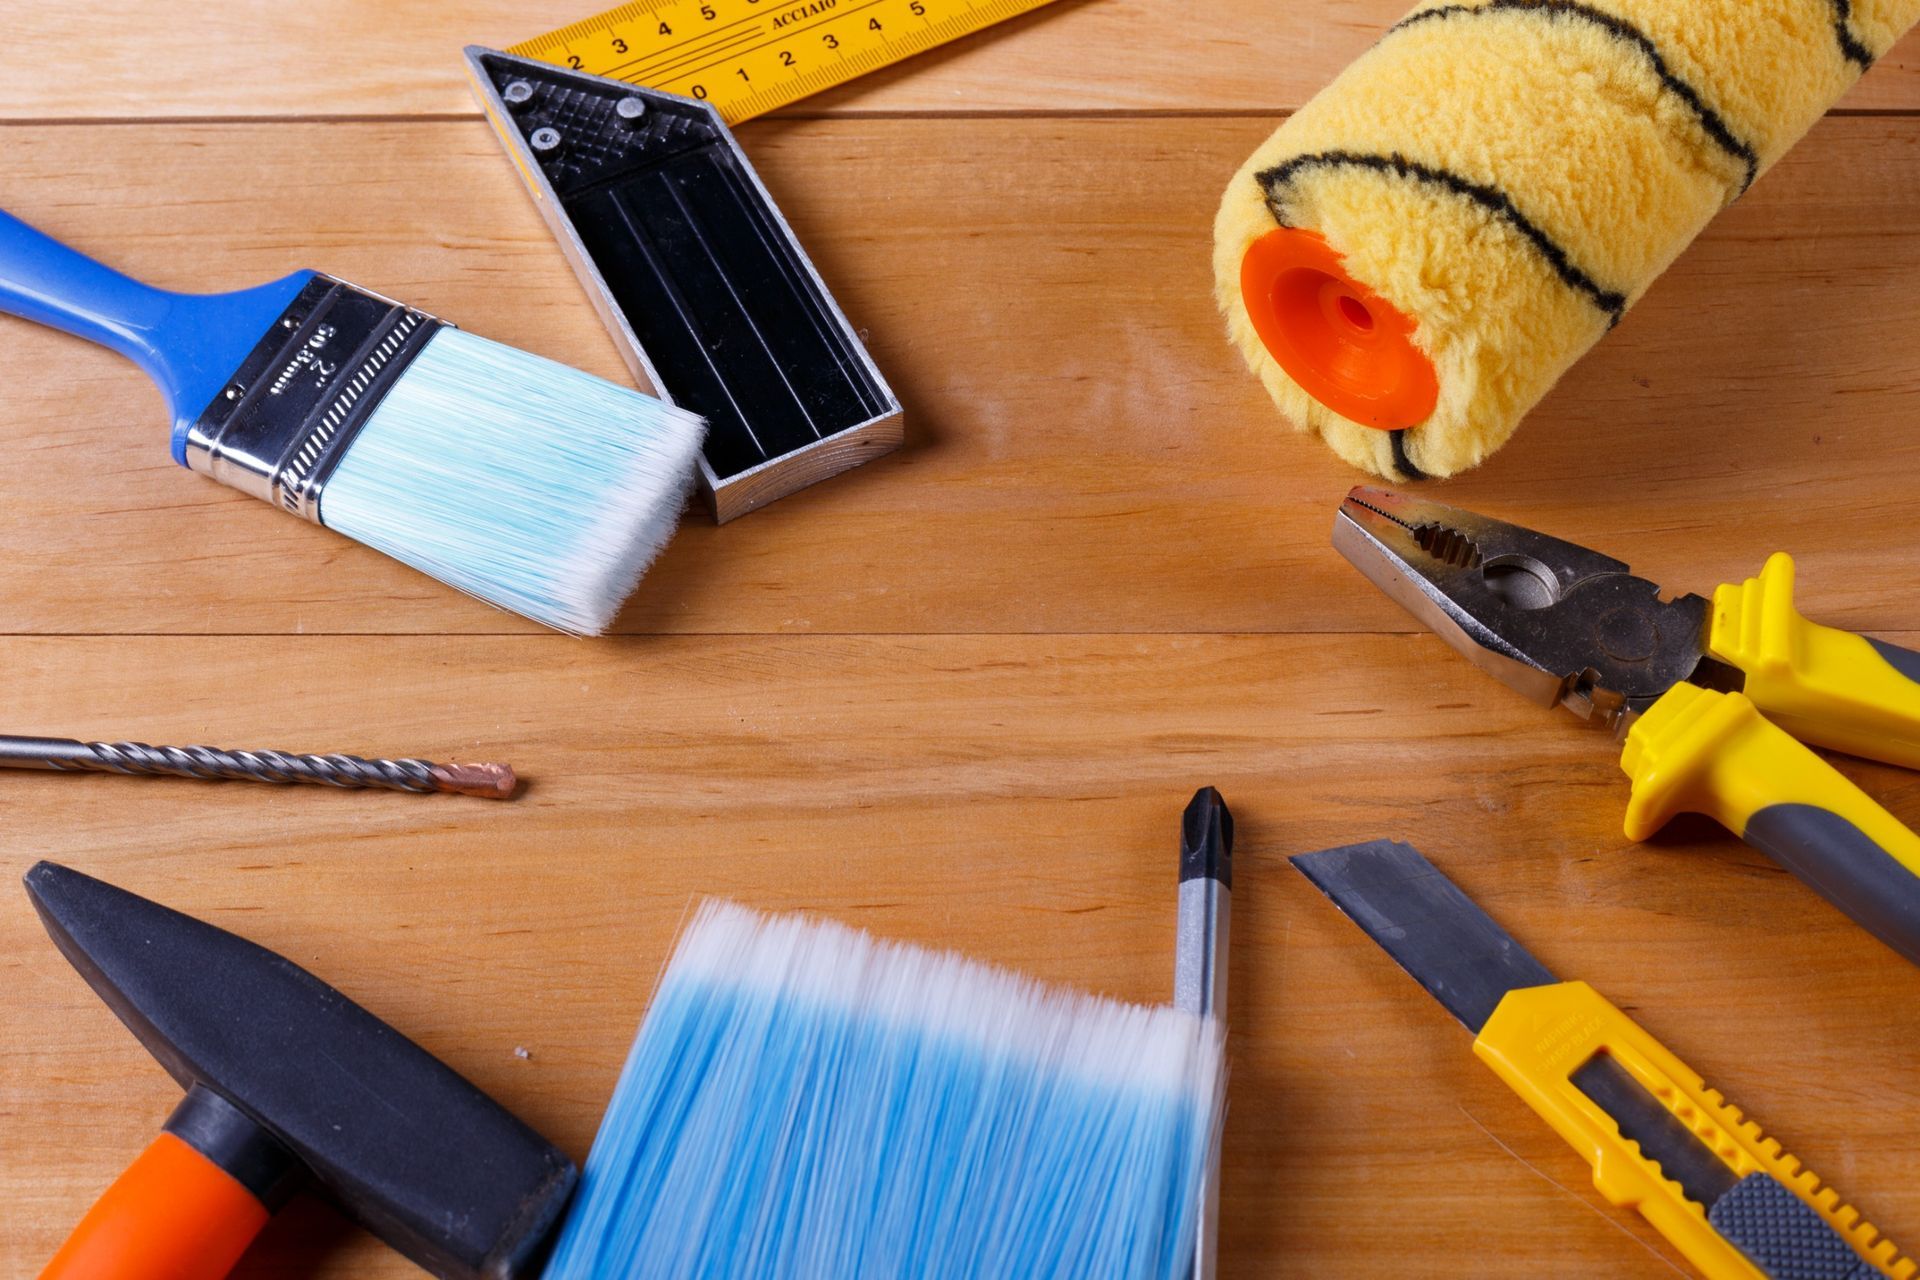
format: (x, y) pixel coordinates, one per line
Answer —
(65, 755)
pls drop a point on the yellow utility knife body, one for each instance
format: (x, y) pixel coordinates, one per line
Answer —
(1712, 696)
(1728, 1198)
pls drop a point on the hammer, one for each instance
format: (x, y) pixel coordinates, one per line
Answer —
(288, 1082)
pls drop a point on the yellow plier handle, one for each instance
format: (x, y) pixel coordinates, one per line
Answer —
(1696, 751)
(1829, 687)
(1777, 1223)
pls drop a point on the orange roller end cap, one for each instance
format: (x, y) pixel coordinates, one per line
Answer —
(1346, 346)
(173, 1215)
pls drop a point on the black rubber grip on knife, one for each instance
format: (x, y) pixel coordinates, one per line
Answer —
(1782, 1235)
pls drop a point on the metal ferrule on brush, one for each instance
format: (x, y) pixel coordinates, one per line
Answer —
(287, 417)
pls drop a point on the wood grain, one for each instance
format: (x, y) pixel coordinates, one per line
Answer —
(1085, 452)
(122, 58)
(960, 695)
(1016, 797)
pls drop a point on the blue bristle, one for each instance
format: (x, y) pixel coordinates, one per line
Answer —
(803, 1101)
(529, 484)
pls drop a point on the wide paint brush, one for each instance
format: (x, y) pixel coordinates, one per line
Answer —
(533, 486)
(806, 1101)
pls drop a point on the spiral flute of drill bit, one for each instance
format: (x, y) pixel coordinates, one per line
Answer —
(491, 781)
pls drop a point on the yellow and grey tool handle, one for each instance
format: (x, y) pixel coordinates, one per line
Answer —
(1698, 751)
(1776, 1221)
(1820, 684)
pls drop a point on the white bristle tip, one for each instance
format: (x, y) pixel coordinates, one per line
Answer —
(531, 485)
(804, 1100)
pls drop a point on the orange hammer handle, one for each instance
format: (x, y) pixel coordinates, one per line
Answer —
(173, 1215)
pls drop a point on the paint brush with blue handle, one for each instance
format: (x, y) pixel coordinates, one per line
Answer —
(535, 487)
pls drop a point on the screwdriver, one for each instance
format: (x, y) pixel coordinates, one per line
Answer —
(1200, 961)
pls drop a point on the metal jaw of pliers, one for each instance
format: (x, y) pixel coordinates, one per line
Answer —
(1552, 619)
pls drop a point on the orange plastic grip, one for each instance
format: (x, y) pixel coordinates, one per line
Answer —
(173, 1215)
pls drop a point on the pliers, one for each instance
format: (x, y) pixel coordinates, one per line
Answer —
(1685, 682)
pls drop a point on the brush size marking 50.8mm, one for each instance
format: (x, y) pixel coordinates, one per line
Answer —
(748, 57)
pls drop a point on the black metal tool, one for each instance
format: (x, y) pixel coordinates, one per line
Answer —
(696, 274)
(1658, 1139)
(287, 1081)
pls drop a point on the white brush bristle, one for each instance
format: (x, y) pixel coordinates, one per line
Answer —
(805, 1101)
(531, 485)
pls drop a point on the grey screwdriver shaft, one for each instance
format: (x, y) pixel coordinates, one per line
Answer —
(65, 755)
(1200, 962)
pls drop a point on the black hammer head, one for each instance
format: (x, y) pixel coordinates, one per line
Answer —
(407, 1146)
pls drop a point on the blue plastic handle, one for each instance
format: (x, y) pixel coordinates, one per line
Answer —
(190, 344)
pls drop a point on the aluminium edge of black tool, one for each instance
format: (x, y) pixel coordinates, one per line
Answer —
(1659, 1141)
(288, 1082)
(703, 285)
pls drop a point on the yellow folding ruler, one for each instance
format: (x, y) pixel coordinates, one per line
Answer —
(748, 57)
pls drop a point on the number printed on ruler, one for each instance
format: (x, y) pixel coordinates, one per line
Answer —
(751, 56)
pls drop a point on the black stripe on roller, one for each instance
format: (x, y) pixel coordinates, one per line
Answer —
(1850, 46)
(1620, 29)
(1490, 198)
(1401, 461)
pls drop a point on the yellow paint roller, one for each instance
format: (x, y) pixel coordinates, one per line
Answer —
(1415, 257)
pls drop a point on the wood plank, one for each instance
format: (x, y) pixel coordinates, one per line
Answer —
(122, 58)
(1085, 451)
(939, 739)
(1015, 797)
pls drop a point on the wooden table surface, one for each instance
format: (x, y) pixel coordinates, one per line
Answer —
(960, 695)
